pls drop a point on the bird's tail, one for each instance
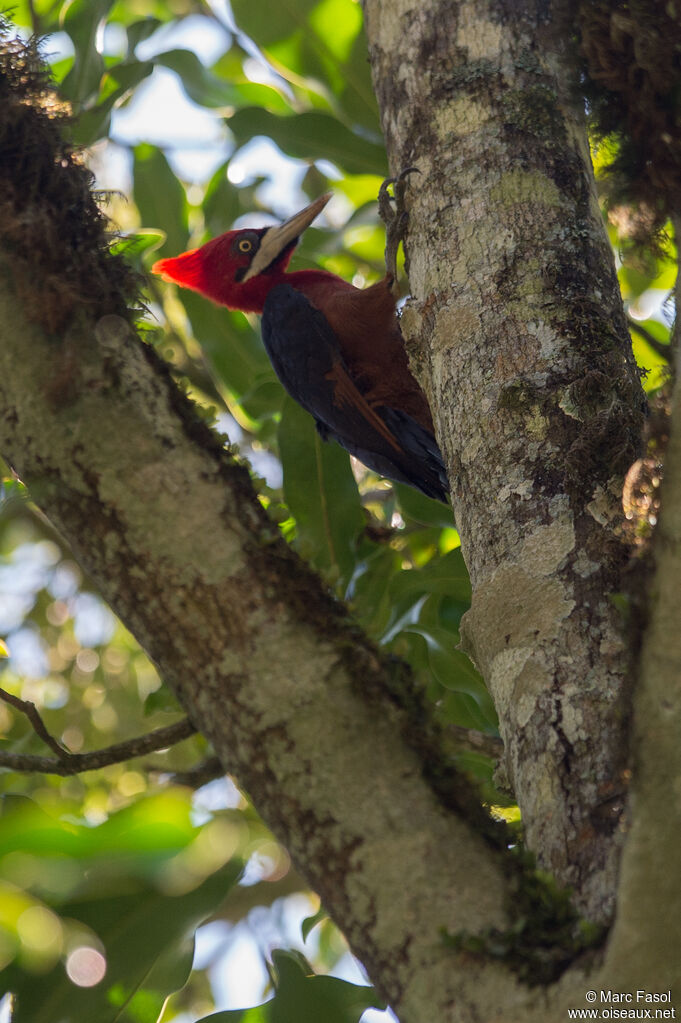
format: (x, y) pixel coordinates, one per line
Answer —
(427, 470)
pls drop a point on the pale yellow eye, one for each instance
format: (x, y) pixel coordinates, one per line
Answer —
(245, 245)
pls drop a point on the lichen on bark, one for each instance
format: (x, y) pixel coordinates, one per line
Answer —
(516, 331)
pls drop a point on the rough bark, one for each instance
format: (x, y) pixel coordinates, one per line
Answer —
(647, 929)
(516, 331)
(295, 702)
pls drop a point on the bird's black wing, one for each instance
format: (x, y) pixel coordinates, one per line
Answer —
(306, 357)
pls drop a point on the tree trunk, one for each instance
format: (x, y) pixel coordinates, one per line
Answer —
(328, 738)
(517, 333)
(647, 929)
(299, 707)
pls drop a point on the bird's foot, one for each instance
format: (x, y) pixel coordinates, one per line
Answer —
(395, 220)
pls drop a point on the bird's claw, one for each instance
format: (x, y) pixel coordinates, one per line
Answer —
(395, 220)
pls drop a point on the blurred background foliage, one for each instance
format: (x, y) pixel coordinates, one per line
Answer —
(196, 117)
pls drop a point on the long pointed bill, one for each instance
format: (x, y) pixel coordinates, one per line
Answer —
(276, 239)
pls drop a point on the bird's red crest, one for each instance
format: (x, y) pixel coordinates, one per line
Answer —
(239, 268)
(186, 269)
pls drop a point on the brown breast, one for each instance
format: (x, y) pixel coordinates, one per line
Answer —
(366, 325)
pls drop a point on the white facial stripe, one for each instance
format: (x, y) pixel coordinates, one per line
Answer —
(276, 239)
(269, 249)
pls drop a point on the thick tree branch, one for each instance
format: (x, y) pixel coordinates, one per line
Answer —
(296, 703)
(517, 333)
(647, 929)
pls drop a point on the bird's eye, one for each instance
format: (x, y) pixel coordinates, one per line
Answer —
(245, 245)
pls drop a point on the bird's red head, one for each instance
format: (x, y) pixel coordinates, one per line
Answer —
(239, 268)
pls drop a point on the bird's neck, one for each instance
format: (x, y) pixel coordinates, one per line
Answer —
(317, 285)
(314, 284)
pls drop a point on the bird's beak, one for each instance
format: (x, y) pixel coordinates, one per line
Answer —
(276, 239)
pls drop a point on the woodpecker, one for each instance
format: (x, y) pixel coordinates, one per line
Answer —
(336, 349)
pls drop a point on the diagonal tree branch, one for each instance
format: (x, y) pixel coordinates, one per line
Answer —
(296, 703)
(330, 739)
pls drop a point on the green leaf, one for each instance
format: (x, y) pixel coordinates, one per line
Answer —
(223, 202)
(93, 122)
(143, 935)
(126, 75)
(310, 922)
(312, 135)
(162, 699)
(272, 96)
(154, 828)
(213, 88)
(200, 84)
(461, 709)
(447, 575)
(303, 997)
(12, 491)
(263, 403)
(169, 973)
(426, 510)
(133, 246)
(230, 345)
(81, 20)
(139, 31)
(357, 97)
(258, 1014)
(652, 361)
(482, 769)
(451, 668)
(369, 591)
(321, 41)
(282, 19)
(160, 198)
(321, 492)
(342, 49)
(160, 10)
